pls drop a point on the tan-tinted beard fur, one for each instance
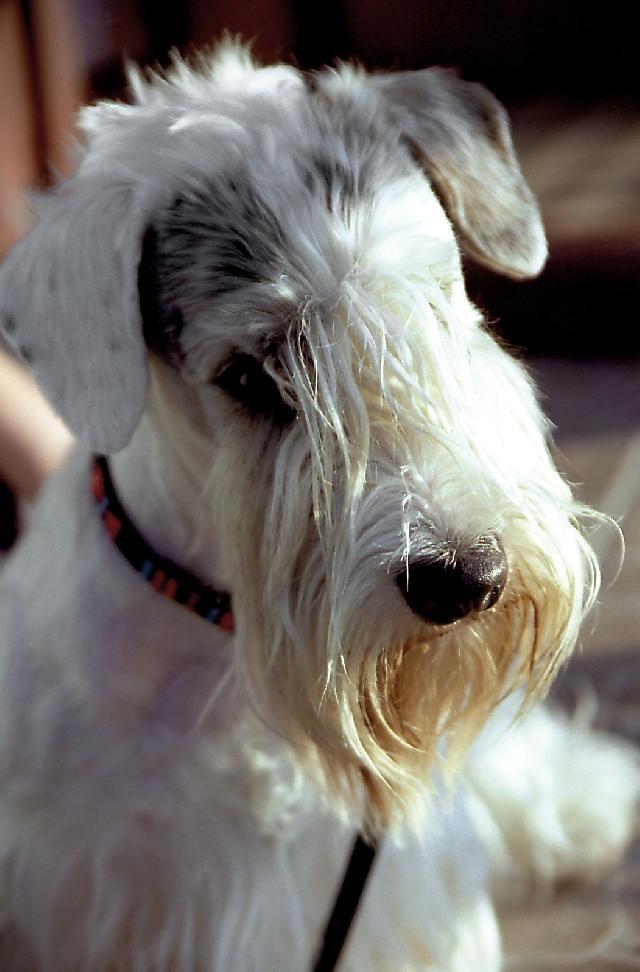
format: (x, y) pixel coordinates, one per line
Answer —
(375, 732)
(358, 703)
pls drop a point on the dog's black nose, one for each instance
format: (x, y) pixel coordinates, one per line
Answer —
(443, 589)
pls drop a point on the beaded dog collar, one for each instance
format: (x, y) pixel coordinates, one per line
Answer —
(166, 577)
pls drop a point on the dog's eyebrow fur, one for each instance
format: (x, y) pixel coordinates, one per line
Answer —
(163, 320)
(220, 229)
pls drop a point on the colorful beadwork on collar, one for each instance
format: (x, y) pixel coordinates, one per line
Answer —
(166, 577)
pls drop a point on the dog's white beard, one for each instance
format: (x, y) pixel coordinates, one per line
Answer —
(370, 697)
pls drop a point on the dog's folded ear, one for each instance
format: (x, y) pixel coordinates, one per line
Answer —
(69, 306)
(460, 133)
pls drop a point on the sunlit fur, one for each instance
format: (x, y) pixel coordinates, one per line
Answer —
(380, 464)
(178, 798)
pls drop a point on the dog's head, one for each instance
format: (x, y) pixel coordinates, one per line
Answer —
(284, 249)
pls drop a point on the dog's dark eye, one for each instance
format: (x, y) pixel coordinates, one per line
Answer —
(244, 379)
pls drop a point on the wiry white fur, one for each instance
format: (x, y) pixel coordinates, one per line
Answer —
(174, 799)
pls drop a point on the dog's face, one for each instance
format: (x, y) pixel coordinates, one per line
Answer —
(400, 549)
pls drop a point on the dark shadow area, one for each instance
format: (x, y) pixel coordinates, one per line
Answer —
(583, 304)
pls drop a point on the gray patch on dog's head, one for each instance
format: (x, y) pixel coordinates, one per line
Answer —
(335, 177)
(228, 242)
(162, 323)
(198, 251)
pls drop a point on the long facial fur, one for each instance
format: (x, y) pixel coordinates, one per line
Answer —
(375, 466)
(413, 427)
(332, 261)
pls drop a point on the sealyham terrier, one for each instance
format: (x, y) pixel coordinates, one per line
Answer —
(328, 565)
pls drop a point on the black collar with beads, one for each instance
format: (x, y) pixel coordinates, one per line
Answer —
(166, 577)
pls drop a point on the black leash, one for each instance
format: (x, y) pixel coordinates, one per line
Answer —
(346, 905)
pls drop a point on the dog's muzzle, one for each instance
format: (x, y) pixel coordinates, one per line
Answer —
(451, 586)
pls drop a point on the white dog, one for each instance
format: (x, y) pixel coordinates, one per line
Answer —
(250, 297)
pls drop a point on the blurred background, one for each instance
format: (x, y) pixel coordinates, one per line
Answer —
(568, 72)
